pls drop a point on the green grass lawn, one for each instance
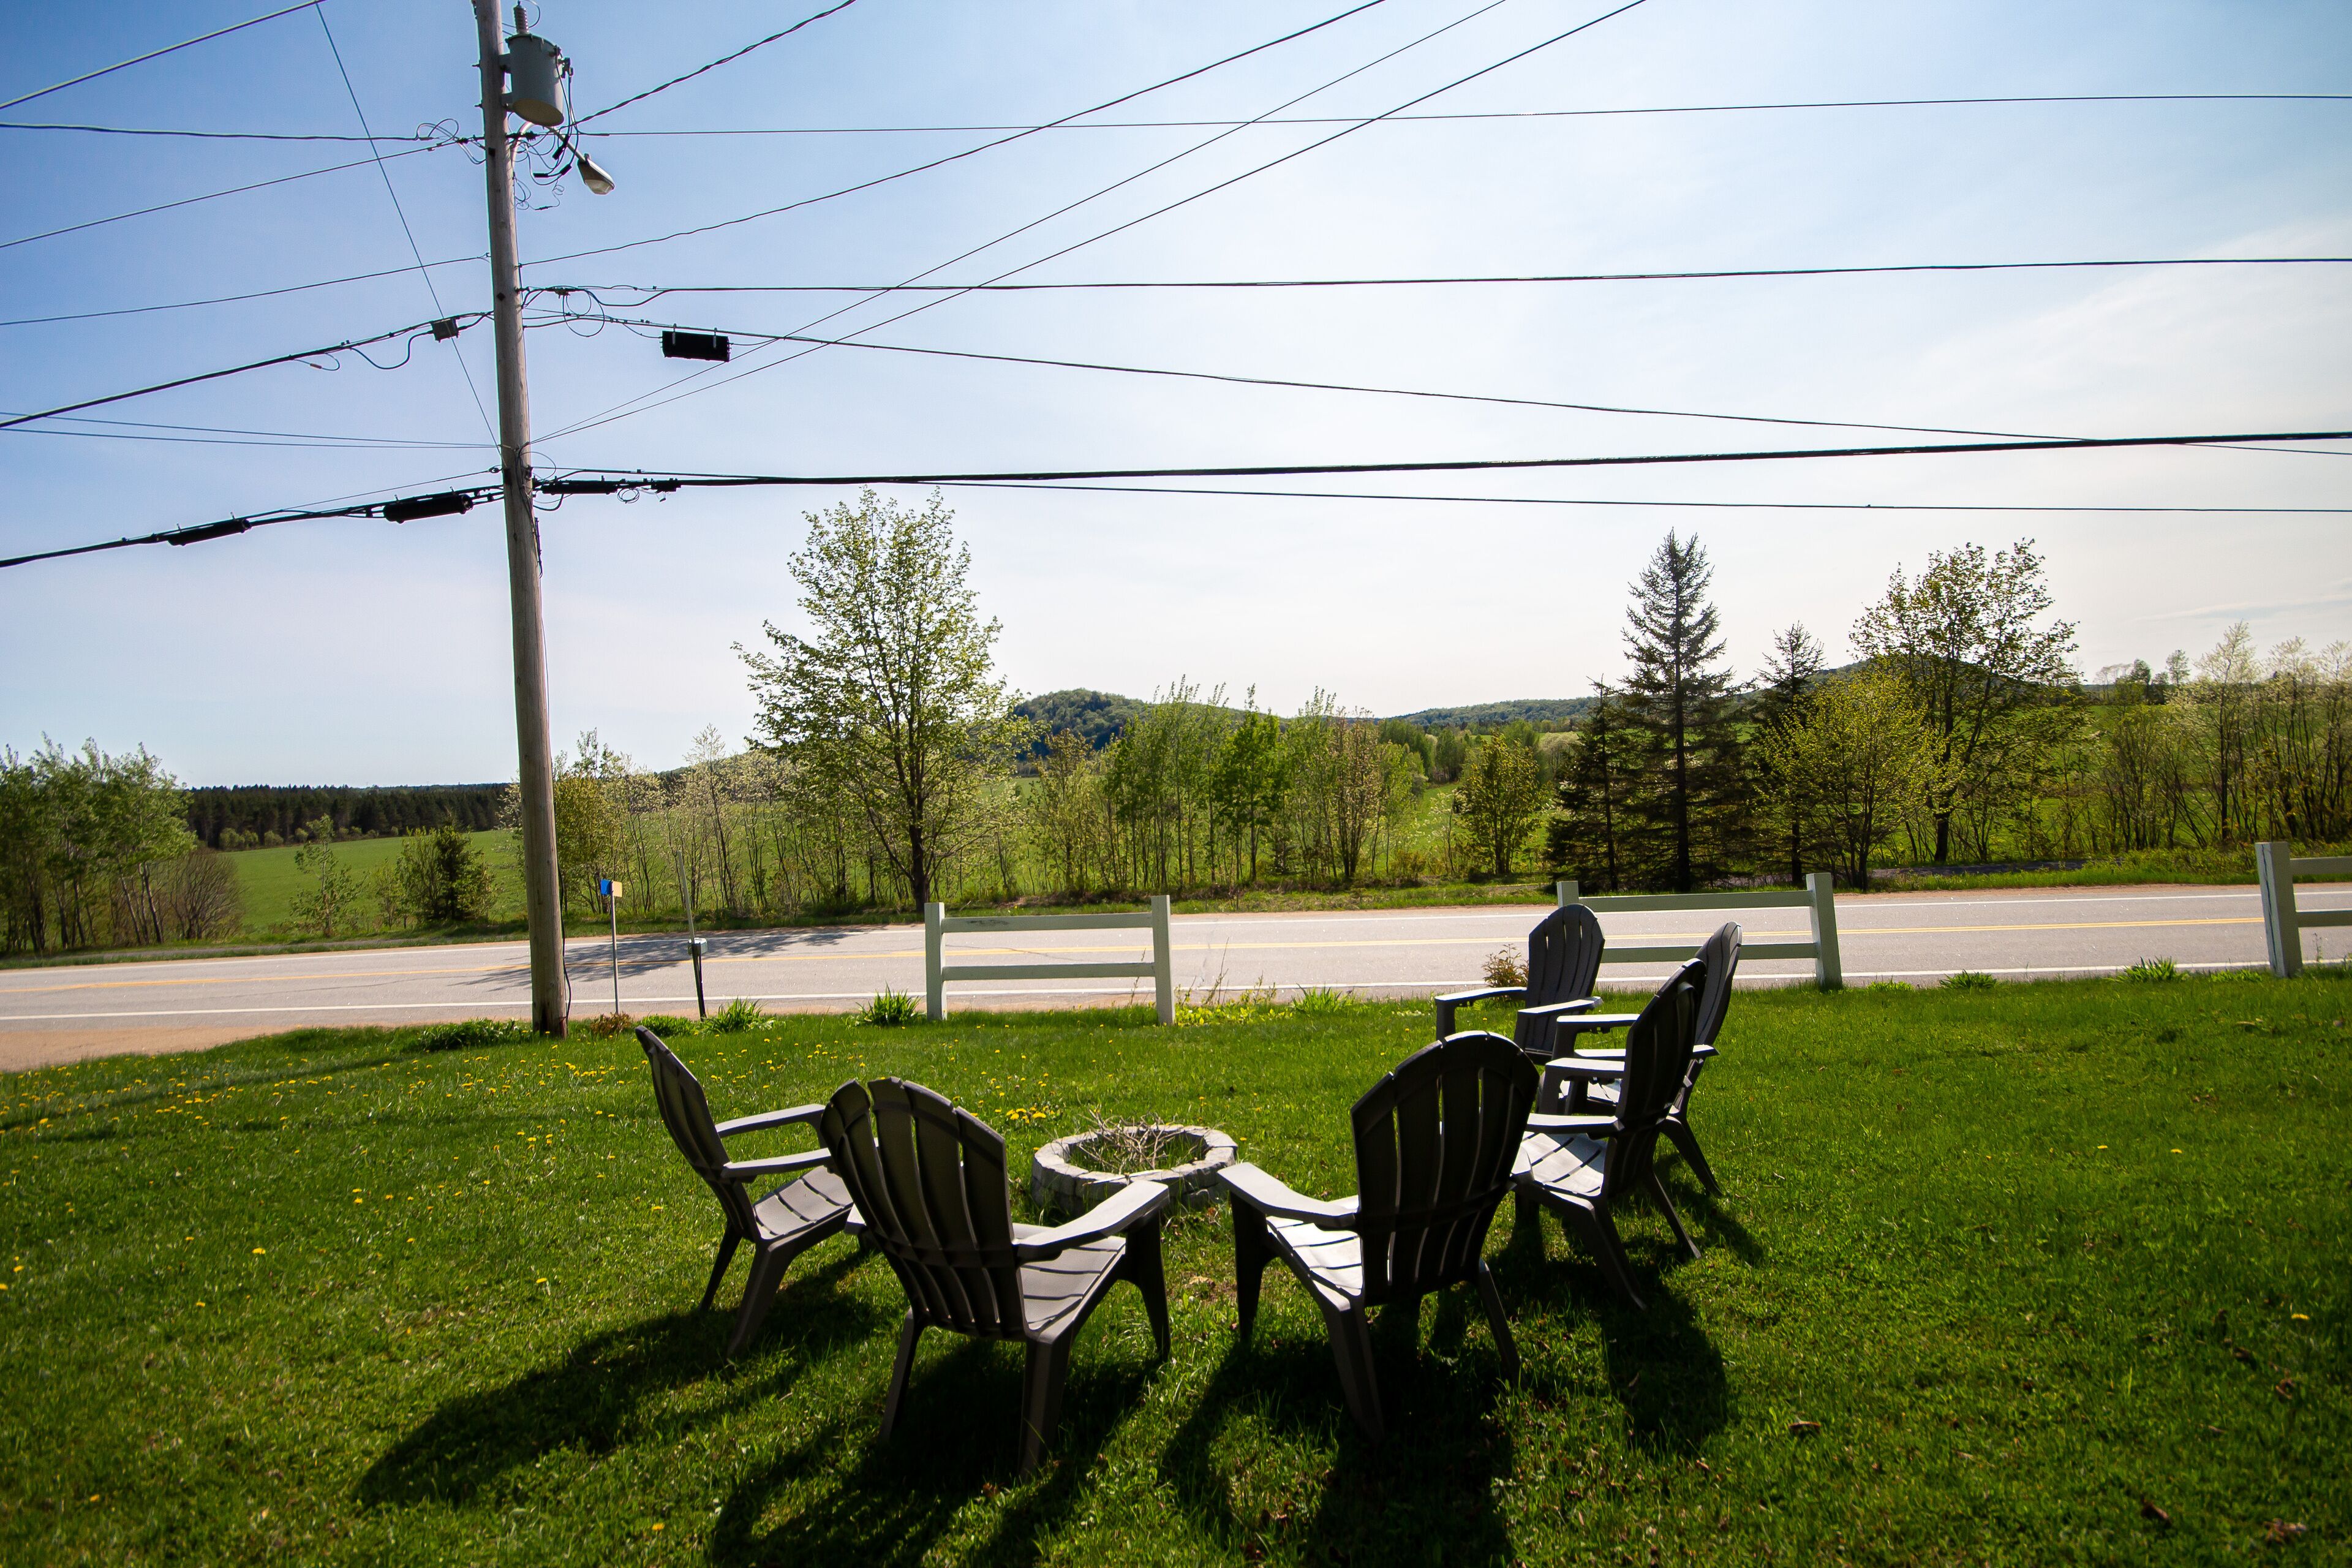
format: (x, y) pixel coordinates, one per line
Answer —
(269, 881)
(2032, 1258)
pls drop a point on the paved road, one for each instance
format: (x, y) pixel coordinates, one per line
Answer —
(65, 1014)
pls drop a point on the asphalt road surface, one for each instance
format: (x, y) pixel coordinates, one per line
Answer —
(52, 1014)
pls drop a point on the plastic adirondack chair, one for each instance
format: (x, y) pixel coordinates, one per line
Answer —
(1578, 1165)
(780, 1227)
(1435, 1140)
(1721, 954)
(928, 1180)
(1563, 961)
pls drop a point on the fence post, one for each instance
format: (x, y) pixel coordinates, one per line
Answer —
(1828, 972)
(2274, 864)
(1565, 888)
(934, 990)
(1164, 960)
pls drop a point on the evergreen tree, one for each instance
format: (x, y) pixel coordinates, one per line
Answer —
(1587, 827)
(1784, 693)
(1691, 816)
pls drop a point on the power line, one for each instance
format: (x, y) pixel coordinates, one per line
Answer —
(228, 527)
(215, 135)
(1519, 114)
(589, 482)
(407, 233)
(233, 299)
(1709, 505)
(652, 291)
(967, 152)
(723, 59)
(208, 195)
(157, 54)
(460, 322)
(617, 412)
(127, 430)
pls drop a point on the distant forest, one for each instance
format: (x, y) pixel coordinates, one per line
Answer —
(1098, 718)
(1481, 718)
(270, 813)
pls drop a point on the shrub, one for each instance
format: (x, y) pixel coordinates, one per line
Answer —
(2153, 968)
(738, 1016)
(1505, 967)
(1321, 1003)
(604, 1026)
(889, 1010)
(1969, 980)
(472, 1034)
(663, 1024)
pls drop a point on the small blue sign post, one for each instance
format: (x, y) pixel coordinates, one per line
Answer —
(611, 892)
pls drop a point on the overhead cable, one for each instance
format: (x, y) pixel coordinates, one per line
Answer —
(213, 136)
(233, 299)
(447, 503)
(967, 152)
(723, 59)
(594, 481)
(1518, 114)
(208, 196)
(1605, 502)
(157, 54)
(459, 322)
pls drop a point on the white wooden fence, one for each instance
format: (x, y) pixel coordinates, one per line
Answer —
(2282, 927)
(1816, 899)
(937, 972)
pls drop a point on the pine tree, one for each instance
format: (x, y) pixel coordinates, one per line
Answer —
(1593, 796)
(1692, 815)
(1784, 692)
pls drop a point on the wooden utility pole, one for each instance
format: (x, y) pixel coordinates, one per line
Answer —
(543, 895)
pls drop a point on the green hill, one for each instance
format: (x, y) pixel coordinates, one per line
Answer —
(1543, 713)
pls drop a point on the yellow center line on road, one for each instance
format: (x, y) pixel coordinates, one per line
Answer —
(958, 955)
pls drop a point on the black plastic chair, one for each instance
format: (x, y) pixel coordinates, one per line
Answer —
(1579, 1165)
(928, 1180)
(1435, 1141)
(1563, 961)
(782, 1226)
(1721, 954)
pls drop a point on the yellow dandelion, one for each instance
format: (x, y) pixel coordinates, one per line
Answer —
(260, 1250)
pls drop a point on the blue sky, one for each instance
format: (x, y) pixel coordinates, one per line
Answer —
(357, 651)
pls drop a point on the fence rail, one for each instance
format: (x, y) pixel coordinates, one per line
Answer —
(2282, 924)
(938, 925)
(1816, 900)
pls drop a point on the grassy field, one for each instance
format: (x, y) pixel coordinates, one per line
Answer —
(2060, 1271)
(269, 880)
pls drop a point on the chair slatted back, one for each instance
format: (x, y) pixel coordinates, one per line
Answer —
(1657, 1064)
(1435, 1141)
(929, 1179)
(1721, 957)
(686, 1111)
(1563, 961)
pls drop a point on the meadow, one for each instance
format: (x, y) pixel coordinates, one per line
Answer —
(2051, 1273)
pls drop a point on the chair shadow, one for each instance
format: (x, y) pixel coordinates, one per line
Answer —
(958, 1437)
(1431, 1482)
(593, 1399)
(1661, 1367)
(1705, 1213)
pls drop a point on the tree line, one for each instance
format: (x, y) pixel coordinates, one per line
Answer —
(248, 816)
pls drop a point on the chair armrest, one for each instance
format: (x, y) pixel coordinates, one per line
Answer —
(781, 1165)
(1268, 1195)
(1556, 1011)
(1576, 1025)
(1590, 1069)
(1617, 1053)
(1593, 1126)
(1484, 994)
(809, 1114)
(1129, 1207)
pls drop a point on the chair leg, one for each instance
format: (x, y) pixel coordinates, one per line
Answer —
(909, 1333)
(1599, 1233)
(760, 1290)
(1505, 1345)
(1658, 1192)
(1041, 1403)
(718, 1270)
(1141, 1265)
(1527, 1217)
(1687, 1141)
(1351, 1349)
(1251, 1247)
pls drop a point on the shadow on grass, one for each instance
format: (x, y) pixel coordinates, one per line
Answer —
(1661, 1365)
(593, 1400)
(840, 1496)
(1424, 1495)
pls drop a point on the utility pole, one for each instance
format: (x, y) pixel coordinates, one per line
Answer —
(543, 895)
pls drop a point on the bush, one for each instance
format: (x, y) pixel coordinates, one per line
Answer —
(605, 1026)
(2153, 968)
(889, 1010)
(472, 1034)
(663, 1024)
(1505, 966)
(738, 1016)
(1969, 980)
(1319, 1003)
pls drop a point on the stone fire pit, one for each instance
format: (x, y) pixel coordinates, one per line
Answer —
(1061, 1178)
